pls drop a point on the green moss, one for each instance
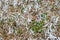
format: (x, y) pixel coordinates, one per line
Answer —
(37, 26)
(40, 31)
(19, 31)
(35, 29)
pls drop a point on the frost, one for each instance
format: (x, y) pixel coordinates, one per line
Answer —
(23, 12)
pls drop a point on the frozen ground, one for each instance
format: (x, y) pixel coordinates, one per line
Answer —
(29, 19)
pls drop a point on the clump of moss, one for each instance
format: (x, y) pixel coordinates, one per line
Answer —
(37, 27)
(19, 31)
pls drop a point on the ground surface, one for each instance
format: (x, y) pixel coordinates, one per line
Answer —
(29, 19)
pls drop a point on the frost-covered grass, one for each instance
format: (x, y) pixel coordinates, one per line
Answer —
(29, 19)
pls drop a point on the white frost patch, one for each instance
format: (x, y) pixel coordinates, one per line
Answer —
(56, 2)
(1, 38)
(29, 20)
(57, 19)
(29, 6)
(29, 38)
(50, 27)
(5, 8)
(5, 0)
(51, 36)
(36, 6)
(31, 32)
(15, 3)
(54, 19)
(10, 30)
(45, 25)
